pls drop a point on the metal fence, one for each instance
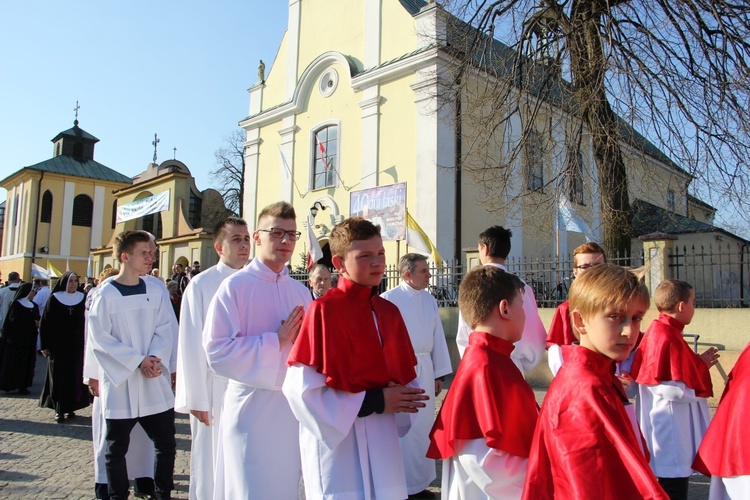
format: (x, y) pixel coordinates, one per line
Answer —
(719, 274)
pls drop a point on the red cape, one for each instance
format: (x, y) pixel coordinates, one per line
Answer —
(488, 399)
(339, 339)
(561, 329)
(665, 356)
(584, 445)
(724, 451)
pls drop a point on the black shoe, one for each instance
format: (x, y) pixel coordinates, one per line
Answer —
(59, 418)
(23, 392)
(424, 494)
(70, 415)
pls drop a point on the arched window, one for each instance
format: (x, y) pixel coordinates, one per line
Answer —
(46, 215)
(114, 214)
(534, 161)
(325, 158)
(83, 210)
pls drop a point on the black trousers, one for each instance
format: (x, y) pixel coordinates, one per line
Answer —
(675, 487)
(160, 429)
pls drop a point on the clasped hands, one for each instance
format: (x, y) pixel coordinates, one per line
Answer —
(151, 367)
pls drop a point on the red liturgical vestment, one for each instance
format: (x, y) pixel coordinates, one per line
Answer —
(489, 399)
(584, 445)
(664, 356)
(561, 329)
(339, 339)
(724, 450)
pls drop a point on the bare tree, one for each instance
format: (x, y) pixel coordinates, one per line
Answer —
(677, 70)
(229, 176)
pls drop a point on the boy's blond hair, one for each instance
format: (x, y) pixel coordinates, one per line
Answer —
(279, 209)
(669, 293)
(126, 240)
(482, 289)
(109, 272)
(607, 286)
(588, 247)
(348, 231)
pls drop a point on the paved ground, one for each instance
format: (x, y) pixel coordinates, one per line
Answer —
(40, 458)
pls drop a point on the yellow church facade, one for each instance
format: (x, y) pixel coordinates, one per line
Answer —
(348, 110)
(60, 208)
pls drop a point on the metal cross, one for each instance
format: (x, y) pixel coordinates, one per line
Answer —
(154, 143)
(76, 110)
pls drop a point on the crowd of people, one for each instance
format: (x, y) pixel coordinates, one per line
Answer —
(328, 391)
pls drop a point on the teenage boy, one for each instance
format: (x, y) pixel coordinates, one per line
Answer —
(561, 331)
(674, 383)
(248, 333)
(349, 377)
(586, 445)
(199, 391)
(132, 330)
(494, 247)
(484, 429)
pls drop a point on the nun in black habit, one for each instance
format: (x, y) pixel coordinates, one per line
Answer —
(18, 342)
(62, 333)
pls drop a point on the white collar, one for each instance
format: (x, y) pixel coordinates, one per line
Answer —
(69, 299)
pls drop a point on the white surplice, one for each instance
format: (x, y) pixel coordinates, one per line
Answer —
(258, 454)
(198, 387)
(122, 331)
(420, 313)
(478, 472)
(140, 458)
(530, 349)
(345, 457)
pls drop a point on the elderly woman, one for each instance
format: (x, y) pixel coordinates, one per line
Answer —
(18, 342)
(62, 335)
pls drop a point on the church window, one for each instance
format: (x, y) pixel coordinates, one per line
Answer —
(78, 150)
(328, 82)
(533, 162)
(83, 210)
(325, 147)
(46, 215)
(195, 209)
(670, 200)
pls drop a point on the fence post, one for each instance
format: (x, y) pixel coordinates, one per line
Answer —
(656, 249)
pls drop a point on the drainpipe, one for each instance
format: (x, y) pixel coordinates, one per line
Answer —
(36, 219)
(457, 198)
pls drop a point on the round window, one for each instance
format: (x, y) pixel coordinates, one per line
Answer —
(328, 82)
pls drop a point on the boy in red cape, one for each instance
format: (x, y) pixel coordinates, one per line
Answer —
(350, 381)
(561, 331)
(484, 429)
(673, 386)
(724, 454)
(585, 444)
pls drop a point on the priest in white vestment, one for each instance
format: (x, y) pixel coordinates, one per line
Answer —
(420, 313)
(199, 391)
(494, 247)
(249, 330)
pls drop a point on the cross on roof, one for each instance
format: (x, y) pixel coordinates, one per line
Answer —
(76, 110)
(154, 143)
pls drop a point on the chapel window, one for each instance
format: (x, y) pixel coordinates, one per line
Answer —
(83, 210)
(46, 215)
(325, 147)
(534, 162)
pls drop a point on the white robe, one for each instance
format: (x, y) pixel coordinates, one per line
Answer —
(198, 387)
(478, 472)
(420, 313)
(140, 458)
(729, 488)
(530, 349)
(124, 330)
(673, 421)
(258, 454)
(345, 457)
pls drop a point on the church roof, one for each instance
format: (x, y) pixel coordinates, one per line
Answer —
(648, 218)
(76, 131)
(88, 169)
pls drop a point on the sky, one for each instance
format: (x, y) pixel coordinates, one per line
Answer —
(180, 69)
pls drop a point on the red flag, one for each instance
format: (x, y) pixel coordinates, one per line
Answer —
(323, 156)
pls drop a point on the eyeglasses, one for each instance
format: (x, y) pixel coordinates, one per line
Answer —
(278, 233)
(583, 267)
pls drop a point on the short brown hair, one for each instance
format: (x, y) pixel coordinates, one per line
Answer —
(348, 231)
(605, 286)
(229, 221)
(588, 247)
(670, 293)
(280, 209)
(482, 289)
(126, 240)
